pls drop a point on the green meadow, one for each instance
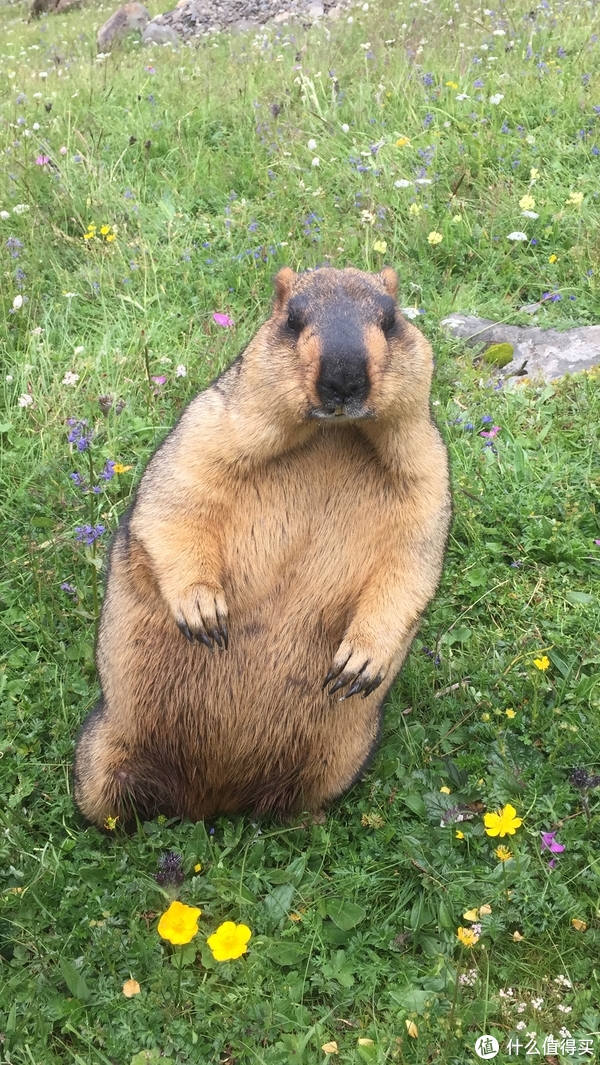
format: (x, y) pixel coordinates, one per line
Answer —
(142, 193)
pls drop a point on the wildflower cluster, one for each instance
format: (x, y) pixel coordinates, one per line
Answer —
(105, 233)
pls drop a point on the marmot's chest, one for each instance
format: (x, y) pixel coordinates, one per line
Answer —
(313, 517)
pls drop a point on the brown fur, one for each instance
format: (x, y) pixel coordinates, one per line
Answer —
(316, 542)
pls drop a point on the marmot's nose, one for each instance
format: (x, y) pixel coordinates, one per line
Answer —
(343, 379)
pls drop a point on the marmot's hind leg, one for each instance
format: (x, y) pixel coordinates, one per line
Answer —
(111, 781)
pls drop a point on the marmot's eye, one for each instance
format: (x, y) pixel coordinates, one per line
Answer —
(293, 323)
(389, 322)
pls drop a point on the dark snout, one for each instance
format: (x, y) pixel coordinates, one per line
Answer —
(343, 382)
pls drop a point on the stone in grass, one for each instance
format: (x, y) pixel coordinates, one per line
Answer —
(158, 32)
(130, 18)
(548, 353)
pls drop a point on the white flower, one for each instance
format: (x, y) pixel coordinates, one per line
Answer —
(20, 208)
(9, 378)
(312, 144)
(4, 215)
(36, 125)
(422, 181)
(564, 1009)
(411, 312)
(520, 1026)
(506, 992)
(79, 349)
(529, 214)
(70, 378)
(402, 184)
(27, 132)
(316, 161)
(350, 20)
(462, 96)
(499, 33)
(565, 1033)
(43, 74)
(37, 96)
(25, 400)
(496, 98)
(521, 1007)
(517, 235)
(537, 1003)
(69, 295)
(562, 980)
(345, 127)
(181, 371)
(17, 303)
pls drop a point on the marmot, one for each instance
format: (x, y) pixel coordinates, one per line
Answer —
(283, 544)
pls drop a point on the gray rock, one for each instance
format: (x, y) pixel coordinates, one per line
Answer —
(549, 352)
(157, 32)
(131, 18)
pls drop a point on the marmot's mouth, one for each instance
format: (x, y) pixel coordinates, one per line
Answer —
(348, 413)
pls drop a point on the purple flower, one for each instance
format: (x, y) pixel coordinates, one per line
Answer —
(486, 418)
(478, 83)
(427, 120)
(78, 481)
(223, 319)
(109, 470)
(428, 79)
(492, 433)
(159, 380)
(550, 844)
(87, 534)
(468, 425)
(70, 589)
(77, 435)
(42, 160)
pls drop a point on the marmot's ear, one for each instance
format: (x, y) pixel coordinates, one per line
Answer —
(284, 283)
(390, 280)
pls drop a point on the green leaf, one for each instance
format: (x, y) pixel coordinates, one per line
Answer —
(577, 598)
(74, 980)
(415, 804)
(278, 902)
(344, 914)
(499, 355)
(412, 999)
(146, 1057)
(286, 953)
(5, 427)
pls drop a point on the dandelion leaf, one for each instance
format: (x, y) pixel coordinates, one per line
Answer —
(344, 914)
(74, 980)
(499, 355)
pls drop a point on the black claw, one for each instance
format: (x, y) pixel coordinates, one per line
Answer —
(203, 638)
(216, 635)
(338, 684)
(223, 627)
(181, 625)
(354, 690)
(334, 672)
(371, 687)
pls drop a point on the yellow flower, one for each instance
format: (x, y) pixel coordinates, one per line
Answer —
(485, 910)
(402, 142)
(380, 246)
(467, 937)
(485, 717)
(502, 823)
(459, 834)
(110, 823)
(229, 941)
(553, 258)
(105, 230)
(579, 926)
(89, 235)
(434, 238)
(534, 173)
(131, 988)
(366, 1042)
(415, 209)
(452, 85)
(510, 712)
(411, 1028)
(179, 924)
(527, 203)
(471, 915)
(110, 237)
(541, 663)
(517, 937)
(330, 1048)
(445, 790)
(120, 468)
(198, 868)
(575, 199)
(457, 218)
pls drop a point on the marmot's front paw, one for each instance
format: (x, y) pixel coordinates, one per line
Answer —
(359, 666)
(201, 614)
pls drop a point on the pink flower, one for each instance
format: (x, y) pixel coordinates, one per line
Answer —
(223, 319)
(63, 150)
(150, 70)
(42, 160)
(159, 380)
(492, 433)
(549, 843)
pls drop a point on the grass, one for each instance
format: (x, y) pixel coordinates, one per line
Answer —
(199, 162)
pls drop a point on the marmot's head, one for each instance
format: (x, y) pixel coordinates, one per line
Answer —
(343, 348)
